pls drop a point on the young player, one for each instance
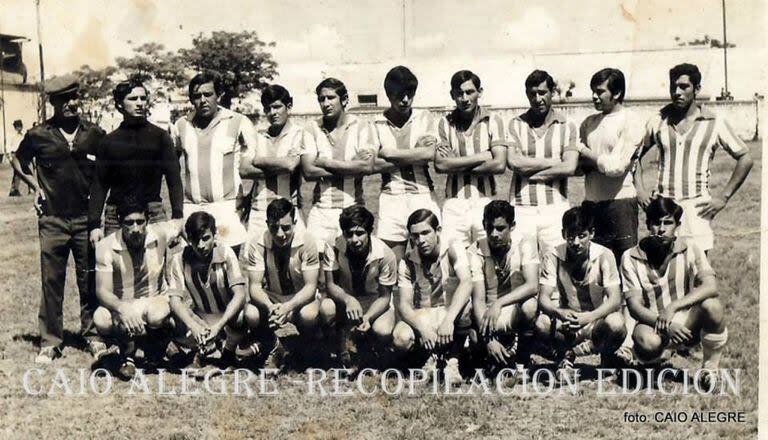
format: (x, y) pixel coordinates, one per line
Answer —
(275, 167)
(216, 144)
(130, 281)
(609, 140)
(339, 151)
(360, 271)
(434, 286)
(407, 139)
(282, 266)
(542, 153)
(671, 290)
(471, 150)
(580, 295)
(505, 276)
(207, 291)
(687, 136)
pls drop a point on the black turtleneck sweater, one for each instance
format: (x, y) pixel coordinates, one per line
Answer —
(132, 160)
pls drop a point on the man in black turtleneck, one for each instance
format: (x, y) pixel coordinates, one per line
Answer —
(63, 148)
(133, 160)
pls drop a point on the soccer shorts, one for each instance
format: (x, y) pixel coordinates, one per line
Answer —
(158, 305)
(433, 316)
(257, 223)
(542, 223)
(323, 224)
(394, 211)
(463, 220)
(229, 230)
(693, 227)
(616, 223)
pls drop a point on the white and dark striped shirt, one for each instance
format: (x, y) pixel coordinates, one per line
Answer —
(410, 179)
(289, 143)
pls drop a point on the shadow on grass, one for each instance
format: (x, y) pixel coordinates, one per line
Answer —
(71, 339)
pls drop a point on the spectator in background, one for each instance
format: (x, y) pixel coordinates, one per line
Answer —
(13, 144)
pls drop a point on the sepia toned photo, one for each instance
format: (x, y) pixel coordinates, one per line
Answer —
(397, 219)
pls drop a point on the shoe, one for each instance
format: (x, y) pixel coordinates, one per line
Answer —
(451, 373)
(275, 358)
(14, 193)
(625, 356)
(128, 368)
(46, 355)
(566, 365)
(708, 380)
(585, 348)
(431, 363)
(253, 349)
(228, 359)
(96, 349)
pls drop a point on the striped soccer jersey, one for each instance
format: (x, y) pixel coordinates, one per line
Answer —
(283, 267)
(209, 295)
(581, 295)
(684, 271)
(501, 279)
(134, 278)
(432, 286)
(560, 136)
(341, 144)
(379, 268)
(684, 158)
(411, 179)
(289, 143)
(486, 132)
(212, 155)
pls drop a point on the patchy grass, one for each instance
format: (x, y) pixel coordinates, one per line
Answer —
(296, 414)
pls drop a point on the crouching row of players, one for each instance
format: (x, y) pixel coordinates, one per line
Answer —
(495, 297)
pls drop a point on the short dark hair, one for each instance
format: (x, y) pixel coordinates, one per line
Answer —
(686, 69)
(334, 84)
(275, 92)
(399, 81)
(205, 77)
(131, 205)
(18, 123)
(124, 88)
(463, 76)
(198, 222)
(356, 215)
(278, 209)
(661, 206)
(578, 219)
(617, 85)
(537, 77)
(421, 215)
(496, 209)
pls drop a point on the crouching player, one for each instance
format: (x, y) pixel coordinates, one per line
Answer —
(282, 266)
(580, 296)
(131, 285)
(434, 286)
(505, 278)
(207, 292)
(360, 270)
(671, 291)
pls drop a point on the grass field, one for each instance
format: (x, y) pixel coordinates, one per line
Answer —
(296, 414)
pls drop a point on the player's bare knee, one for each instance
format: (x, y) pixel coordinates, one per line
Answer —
(308, 316)
(543, 327)
(648, 343)
(529, 310)
(252, 315)
(712, 312)
(102, 320)
(381, 331)
(614, 324)
(403, 338)
(157, 312)
(328, 311)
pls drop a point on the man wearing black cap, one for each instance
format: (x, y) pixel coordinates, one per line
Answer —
(64, 149)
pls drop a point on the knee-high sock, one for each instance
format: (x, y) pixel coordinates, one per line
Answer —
(712, 346)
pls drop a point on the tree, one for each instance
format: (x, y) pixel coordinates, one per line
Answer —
(706, 41)
(240, 57)
(152, 62)
(95, 90)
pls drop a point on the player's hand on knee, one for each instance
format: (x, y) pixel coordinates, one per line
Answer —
(428, 338)
(497, 352)
(678, 333)
(445, 332)
(490, 319)
(199, 334)
(664, 319)
(354, 310)
(364, 326)
(132, 319)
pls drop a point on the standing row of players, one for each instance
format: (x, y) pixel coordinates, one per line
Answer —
(542, 148)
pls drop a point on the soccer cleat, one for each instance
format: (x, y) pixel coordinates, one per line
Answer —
(276, 356)
(96, 349)
(451, 373)
(127, 368)
(566, 365)
(585, 348)
(625, 355)
(431, 363)
(46, 355)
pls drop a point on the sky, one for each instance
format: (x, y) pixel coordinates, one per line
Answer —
(313, 34)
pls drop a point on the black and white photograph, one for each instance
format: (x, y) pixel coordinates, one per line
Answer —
(382, 219)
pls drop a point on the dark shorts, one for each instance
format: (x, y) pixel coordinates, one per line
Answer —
(156, 215)
(616, 223)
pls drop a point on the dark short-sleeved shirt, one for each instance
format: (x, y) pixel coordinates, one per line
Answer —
(133, 160)
(64, 172)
